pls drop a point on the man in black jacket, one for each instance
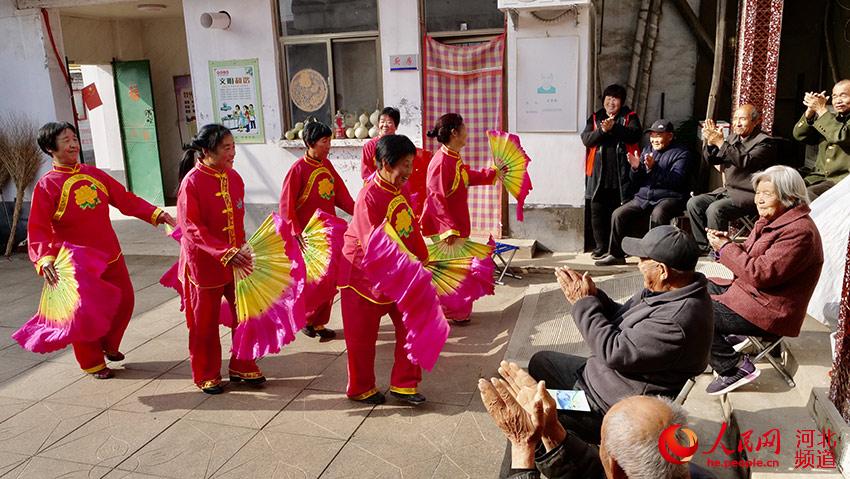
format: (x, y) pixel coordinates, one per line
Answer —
(661, 176)
(746, 151)
(609, 135)
(651, 345)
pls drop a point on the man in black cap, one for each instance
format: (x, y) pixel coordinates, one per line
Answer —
(662, 176)
(651, 345)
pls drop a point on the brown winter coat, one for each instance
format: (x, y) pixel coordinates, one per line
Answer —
(776, 271)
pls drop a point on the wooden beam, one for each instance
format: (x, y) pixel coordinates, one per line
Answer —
(24, 4)
(703, 40)
(717, 73)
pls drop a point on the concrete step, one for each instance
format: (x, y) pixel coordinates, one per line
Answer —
(527, 247)
(770, 404)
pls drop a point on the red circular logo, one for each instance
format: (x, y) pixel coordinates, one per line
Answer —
(673, 451)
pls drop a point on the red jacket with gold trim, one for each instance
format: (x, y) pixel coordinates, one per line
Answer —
(446, 209)
(312, 185)
(72, 204)
(211, 213)
(377, 201)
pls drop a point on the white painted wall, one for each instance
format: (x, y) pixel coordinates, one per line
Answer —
(399, 29)
(96, 41)
(251, 35)
(34, 84)
(104, 120)
(557, 167)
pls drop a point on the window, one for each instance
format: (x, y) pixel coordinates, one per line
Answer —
(462, 16)
(332, 57)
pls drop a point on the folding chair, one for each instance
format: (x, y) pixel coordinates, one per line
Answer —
(764, 345)
(501, 250)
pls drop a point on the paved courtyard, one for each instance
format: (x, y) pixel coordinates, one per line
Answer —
(150, 421)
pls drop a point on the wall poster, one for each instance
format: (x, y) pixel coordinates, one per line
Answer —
(236, 98)
(547, 84)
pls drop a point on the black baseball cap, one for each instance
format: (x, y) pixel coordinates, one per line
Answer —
(665, 244)
(661, 126)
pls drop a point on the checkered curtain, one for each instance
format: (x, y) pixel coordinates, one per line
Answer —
(839, 389)
(468, 80)
(759, 31)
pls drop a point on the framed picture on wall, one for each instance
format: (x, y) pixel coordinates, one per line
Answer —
(546, 91)
(236, 99)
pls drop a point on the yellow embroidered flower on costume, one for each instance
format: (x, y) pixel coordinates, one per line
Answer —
(326, 188)
(86, 197)
(465, 176)
(404, 222)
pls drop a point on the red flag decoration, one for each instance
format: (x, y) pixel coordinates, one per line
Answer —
(91, 97)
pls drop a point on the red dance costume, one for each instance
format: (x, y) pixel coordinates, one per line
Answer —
(446, 210)
(210, 211)
(312, 185)
(362, 305)
(71, 204)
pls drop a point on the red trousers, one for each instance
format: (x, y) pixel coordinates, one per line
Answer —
(361, 319)
(89, 354)
(203, 307)
(322, 315)
(459, 314)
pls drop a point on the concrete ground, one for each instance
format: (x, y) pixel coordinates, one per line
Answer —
(150, 421)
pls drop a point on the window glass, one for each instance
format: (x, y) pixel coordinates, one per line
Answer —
(312, 17)
(356, 77)
(307, 73)
(452, 15)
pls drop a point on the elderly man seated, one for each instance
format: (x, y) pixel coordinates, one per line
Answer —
(661, 176)
(526, 413)
(775, 273)
(831, 132)
(652, 344)
(746, 151)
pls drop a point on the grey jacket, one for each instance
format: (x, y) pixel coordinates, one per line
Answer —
(651, 345)
(742, 157)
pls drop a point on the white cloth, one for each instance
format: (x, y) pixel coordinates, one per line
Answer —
(831, 214)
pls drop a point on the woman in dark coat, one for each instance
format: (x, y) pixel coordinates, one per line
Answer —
(609, 135)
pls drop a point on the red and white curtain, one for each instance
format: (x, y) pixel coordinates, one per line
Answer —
(757, 59)
(468, 80)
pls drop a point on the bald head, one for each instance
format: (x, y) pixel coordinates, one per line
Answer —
(841, 96)
(630, 432)
(745, 120)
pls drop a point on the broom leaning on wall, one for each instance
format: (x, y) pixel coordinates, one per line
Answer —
(20, 159)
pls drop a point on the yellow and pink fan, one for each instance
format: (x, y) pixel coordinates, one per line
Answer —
(269, 310)
(461, 272)
(399, 275)
(321, 250)
(511, 166)
(79, 307)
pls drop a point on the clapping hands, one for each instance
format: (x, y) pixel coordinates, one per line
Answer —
(712, 134)
(575, 286)
(815, 103)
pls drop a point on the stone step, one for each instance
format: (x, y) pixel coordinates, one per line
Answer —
(769, 403)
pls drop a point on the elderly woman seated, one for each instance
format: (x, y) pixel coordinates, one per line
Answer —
(776, 270)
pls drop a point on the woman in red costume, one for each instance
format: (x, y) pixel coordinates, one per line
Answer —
(362, 306)
(313, 184)
(70, 203)
(211, 211)
(446, 213)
